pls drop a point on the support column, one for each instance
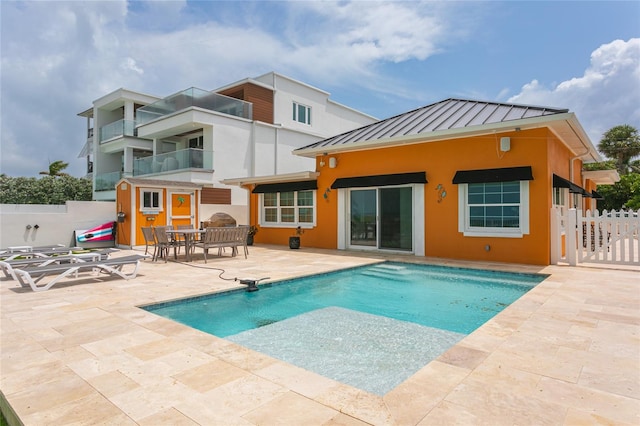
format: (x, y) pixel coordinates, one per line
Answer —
(127, 160)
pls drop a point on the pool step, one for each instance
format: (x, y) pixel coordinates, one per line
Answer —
(399, 272)
(391, 269)
(386, 274)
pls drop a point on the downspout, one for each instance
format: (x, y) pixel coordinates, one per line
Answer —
(275, 148)
(275, 153)
(575, 204)
(253, 148)
(588, 150)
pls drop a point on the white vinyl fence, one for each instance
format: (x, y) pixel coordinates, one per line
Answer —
(594, 237)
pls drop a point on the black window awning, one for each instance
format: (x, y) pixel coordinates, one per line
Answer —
(596, 196)
(304, 185)
(507, 174)
(380, 180)
(559, 182)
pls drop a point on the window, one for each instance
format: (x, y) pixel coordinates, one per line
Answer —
(151, 199)
(288, 208)
(301, 113)
(559, 197)
(197, 143)
(494, 209)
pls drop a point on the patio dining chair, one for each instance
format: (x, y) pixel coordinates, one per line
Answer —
(149, 240)
(165, 242)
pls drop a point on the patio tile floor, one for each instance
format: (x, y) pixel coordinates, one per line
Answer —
(568, 352)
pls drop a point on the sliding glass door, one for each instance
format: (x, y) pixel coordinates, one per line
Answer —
(381, 218)
(364, 217)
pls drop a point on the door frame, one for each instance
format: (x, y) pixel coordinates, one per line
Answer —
(192, 207)
(418, 220)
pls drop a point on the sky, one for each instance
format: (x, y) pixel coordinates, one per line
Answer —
(382, 58)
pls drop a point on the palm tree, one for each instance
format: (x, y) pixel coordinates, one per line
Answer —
(622, 144)
(55, 168)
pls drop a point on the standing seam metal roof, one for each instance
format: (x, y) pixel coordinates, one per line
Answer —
(444, 115)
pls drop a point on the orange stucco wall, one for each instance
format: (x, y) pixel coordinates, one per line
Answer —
(129, 236)
(159, 219)
(123, 198)
(537, 148)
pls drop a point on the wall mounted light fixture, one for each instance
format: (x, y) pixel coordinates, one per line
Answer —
(322, 162)
(505, 144)
(441, 192)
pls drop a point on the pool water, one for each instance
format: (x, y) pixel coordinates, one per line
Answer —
(371, 327)
(454, 299)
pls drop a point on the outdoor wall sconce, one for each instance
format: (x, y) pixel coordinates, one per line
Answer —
(322, 162)
(326, 193)
(505, 144)
(442, 193)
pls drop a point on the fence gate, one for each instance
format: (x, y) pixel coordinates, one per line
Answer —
(607, 237)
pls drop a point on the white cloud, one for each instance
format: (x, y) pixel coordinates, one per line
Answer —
(606, 95)
(83, 50)
(130, 64)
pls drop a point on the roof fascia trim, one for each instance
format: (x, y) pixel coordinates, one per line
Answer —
(602, 177)
(288, 177)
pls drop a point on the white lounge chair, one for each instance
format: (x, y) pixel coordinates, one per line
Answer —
(38, 252)
(18, 249)
(7, 266)
(30, 277)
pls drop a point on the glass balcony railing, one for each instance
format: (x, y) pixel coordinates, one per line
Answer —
(107, 181)
(118, 128)
(194, 97)
(176, 160)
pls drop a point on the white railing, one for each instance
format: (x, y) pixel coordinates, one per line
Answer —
(607, 237)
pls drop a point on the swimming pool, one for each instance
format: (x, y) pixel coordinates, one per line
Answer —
(371, 326)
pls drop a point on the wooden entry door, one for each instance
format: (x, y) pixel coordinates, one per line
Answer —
(182, 209)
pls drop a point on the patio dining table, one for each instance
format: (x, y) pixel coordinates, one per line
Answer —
(190, 236)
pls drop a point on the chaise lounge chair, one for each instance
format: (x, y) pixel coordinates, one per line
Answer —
(30, 277)
(38, 252)
(7, 266)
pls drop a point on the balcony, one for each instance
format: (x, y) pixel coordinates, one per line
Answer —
(117, 129)
(194, 97)
(171, 161)
(107, 181)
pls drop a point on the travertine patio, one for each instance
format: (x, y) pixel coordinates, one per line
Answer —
(568, 352)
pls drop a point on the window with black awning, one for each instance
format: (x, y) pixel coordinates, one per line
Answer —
(380, 180)
(559, 182)
(507, 174)
(267, 188)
